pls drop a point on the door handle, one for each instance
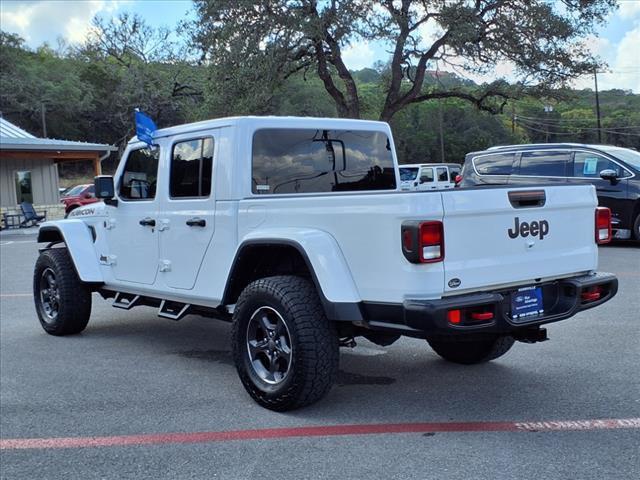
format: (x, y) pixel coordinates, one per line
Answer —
(197, 222)
(147, 222)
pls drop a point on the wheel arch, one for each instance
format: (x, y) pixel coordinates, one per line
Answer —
(78, 239)
(261, 257)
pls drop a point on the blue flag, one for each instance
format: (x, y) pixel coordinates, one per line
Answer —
(144, 127)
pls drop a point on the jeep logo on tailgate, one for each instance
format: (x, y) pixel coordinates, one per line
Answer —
(524, 229)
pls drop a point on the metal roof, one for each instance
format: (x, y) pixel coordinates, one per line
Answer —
(9, 130)
(14, 138)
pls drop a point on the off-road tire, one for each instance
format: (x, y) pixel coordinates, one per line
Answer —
(74, 296)
(469, 352)
(313, 364)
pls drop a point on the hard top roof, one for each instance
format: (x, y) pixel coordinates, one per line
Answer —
(267, 121)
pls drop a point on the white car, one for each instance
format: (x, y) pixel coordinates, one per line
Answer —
(429, 176)
(296, 231)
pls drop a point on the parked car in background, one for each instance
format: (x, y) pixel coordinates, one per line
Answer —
(78, 196)
(428, 176)
(614, 171)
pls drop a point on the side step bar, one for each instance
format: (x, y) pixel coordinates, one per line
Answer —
(125, 301)
(173, 310)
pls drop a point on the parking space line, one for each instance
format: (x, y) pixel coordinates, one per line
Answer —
(9, 295)
(317, 431)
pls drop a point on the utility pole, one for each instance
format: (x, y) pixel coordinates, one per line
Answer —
(44, 120)
(441, 132)
(547, 110)
(595, 76)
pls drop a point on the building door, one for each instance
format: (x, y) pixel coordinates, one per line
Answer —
(24, 187)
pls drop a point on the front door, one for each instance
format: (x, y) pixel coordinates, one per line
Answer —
(613, 195)
(187, 220)
(131, 229)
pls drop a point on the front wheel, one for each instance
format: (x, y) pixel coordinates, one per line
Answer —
(636, 228)
(469, 352)
(62, 300)
(284, 348)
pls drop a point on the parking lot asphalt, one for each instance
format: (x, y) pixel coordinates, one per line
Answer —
(137, 396)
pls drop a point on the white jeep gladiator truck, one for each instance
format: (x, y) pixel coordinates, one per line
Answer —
(296, 231)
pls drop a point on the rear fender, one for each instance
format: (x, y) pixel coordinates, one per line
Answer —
(79, 241)
(325, 261)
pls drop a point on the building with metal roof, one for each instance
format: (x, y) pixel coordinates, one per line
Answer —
(29, 165)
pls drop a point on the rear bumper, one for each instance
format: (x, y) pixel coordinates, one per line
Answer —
(424, 318)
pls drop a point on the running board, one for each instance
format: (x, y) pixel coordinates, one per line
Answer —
(126, 301)
(173, 310)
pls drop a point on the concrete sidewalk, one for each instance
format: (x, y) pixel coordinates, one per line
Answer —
(10, 232)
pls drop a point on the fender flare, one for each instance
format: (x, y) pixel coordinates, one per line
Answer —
(325, 261)
(79, 241)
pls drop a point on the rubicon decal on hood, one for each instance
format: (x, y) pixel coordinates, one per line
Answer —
(82, 212)
(535, 229)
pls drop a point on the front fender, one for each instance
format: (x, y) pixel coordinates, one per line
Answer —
(323, 255)
(79, 240)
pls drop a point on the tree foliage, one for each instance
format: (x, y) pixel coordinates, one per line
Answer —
(264, 42)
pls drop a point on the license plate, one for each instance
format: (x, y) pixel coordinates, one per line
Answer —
(526, 302)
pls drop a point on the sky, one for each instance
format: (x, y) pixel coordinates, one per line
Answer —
(38, 21)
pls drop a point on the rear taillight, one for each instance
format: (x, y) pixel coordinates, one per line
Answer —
(423, 242)
(458, 179)
(603, 225)
(591, 294)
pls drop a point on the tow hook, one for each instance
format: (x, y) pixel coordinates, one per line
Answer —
(531, 335)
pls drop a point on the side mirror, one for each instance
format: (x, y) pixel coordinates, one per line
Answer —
(609, 174)
(103, 185)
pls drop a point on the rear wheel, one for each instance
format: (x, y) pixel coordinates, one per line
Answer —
(636, 228)
(469, 352)
(284, 348)
(62, 300)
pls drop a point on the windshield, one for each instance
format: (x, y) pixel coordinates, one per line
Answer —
(74, 191)
(408, 174)
(630, 156)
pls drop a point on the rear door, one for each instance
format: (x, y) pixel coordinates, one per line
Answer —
(442, 178)
(501, 236)
(550, 167)
(187, 221)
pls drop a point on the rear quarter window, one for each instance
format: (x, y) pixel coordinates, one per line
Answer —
(495, 164)
(318, 161)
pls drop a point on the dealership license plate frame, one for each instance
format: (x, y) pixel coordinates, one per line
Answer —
(527, 303)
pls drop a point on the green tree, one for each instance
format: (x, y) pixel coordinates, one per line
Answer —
(262, 43)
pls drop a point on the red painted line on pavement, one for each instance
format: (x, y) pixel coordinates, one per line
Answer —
(318, 431)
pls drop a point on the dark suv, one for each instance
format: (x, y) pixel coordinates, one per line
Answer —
(614, 171)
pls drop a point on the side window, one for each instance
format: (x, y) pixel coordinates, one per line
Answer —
(90, 191)
(191, 168)
(453, 173)
(140, 175)
(589, 165)
(426, 175)
(544, 164)
(497, 164)
(443, 174)
(315, 161)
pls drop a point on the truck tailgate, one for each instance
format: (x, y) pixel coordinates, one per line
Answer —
(501, 236)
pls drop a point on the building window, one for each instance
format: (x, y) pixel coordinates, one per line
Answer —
(191, 168)
(24, 190)
(316, 161)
